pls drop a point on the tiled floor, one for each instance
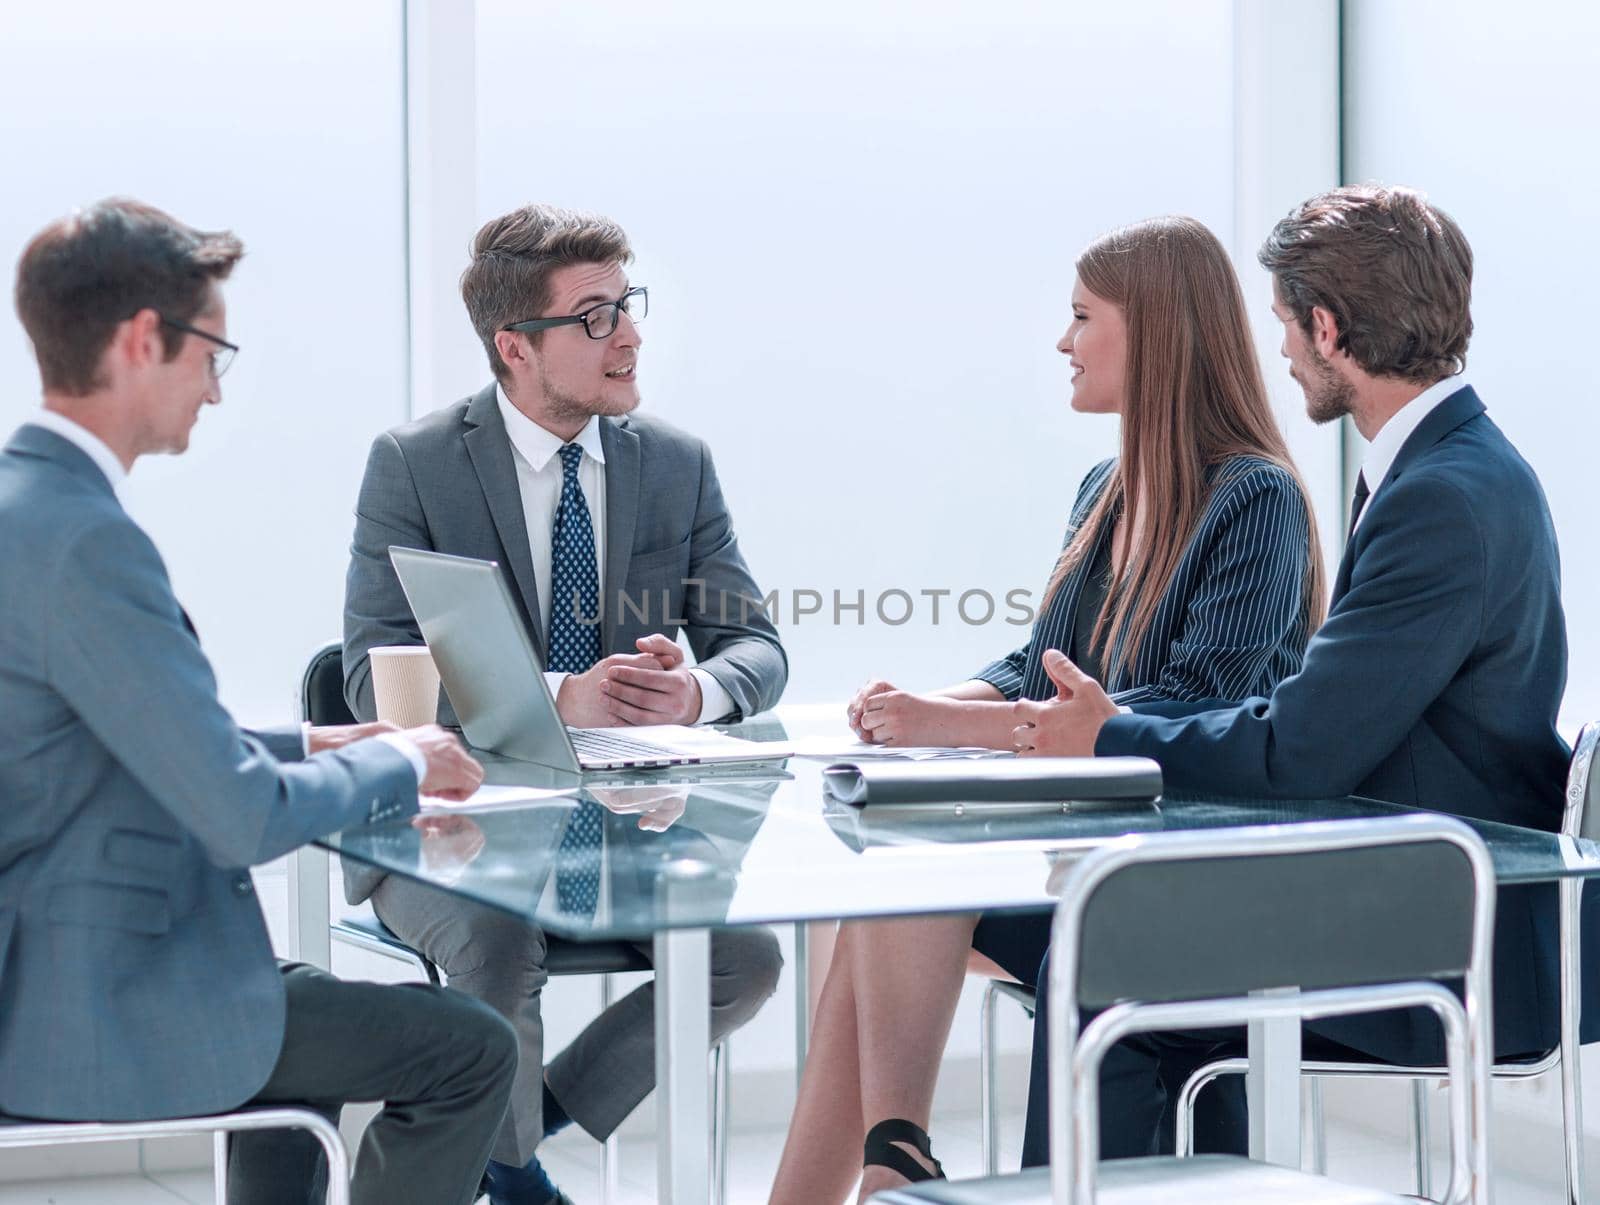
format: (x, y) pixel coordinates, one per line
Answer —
(573, 1161)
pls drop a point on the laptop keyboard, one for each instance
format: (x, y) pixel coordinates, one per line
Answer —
(606, 746)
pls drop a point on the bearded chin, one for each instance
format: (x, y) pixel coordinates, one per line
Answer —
(1329, 396)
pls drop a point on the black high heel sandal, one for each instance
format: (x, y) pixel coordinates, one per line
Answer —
(881, 1151)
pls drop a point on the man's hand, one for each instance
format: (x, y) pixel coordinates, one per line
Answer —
(852, 713)
(666, 693)
(658, 808)
(1069, 724)
(337, 736)
(449, 844)
(583, 704)
(452, 774)
(897, 717)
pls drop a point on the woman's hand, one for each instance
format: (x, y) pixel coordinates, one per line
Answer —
(852, 712)
(897, 717)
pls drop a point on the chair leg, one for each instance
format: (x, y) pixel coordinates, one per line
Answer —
(720, 1112)
(987, 1091)
(1183, 1139)
(219, 1166)
(1319, 1133)
(1422, 1152)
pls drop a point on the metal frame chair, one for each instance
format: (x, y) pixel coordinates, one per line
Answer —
(322, 702)
(1427, 914)
(988, 1045)
(1580, 818)
(218, 1125)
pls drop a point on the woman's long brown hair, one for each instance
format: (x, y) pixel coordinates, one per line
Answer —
(1195, 398)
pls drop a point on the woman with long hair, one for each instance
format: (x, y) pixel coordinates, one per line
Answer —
(1191, 570)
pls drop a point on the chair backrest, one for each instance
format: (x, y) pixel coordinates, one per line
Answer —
(1191, 930)
(1186, 930)
(1295, 906)
(322, 688)
(1582, 817)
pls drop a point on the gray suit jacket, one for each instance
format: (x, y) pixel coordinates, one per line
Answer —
(136, 976)
(447, 482)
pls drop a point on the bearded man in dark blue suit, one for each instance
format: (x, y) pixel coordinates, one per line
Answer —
(1435, 680)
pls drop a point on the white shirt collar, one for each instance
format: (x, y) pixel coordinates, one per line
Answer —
(536, 444)
(86, 441)
(1386, 444)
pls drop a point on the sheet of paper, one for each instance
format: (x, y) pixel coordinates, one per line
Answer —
(843, 748)
(493, 799)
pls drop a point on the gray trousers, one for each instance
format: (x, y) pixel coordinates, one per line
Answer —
(609, 1067)
(442, 1065)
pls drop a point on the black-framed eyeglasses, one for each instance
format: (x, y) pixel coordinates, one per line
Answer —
(599, 321)
(221, 358)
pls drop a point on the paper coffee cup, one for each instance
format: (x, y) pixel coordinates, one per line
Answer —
(405, 684)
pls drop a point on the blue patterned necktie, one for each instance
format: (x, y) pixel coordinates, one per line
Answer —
(574, 648)
(578, 860)
(574, 577)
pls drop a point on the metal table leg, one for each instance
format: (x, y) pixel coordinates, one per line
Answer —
(802, 998)
(1272, 1086)
(309, 907)
(683, 1035)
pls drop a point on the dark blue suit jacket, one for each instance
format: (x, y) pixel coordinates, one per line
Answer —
(1434, 682)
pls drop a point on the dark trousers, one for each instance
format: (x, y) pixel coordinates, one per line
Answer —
(1140, 1079)
(441, 1062)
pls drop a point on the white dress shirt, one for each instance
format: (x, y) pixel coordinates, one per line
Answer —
(1386, 444)
(536, 453)
(92, 446)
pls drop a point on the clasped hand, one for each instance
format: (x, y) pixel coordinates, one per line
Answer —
(884, 715)
(652, 686)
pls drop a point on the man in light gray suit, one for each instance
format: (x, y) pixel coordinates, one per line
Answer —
(136, 976)
(596, 513)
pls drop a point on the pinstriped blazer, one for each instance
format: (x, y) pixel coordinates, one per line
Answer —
(1232, 623)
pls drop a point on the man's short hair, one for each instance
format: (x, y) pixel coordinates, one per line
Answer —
(514, 256)
(1395, 272)
(84, 275)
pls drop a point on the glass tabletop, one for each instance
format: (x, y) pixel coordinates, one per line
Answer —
(627, 854)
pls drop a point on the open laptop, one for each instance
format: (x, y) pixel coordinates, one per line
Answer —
(496, 684)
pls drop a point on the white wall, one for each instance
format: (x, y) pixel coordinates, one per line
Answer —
(284, 123)
(858, 224)
(1490, 110)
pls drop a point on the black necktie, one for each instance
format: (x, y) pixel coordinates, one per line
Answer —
(1362, 493)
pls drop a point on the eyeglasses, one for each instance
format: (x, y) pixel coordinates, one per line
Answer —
(220, 359)
(598, 320)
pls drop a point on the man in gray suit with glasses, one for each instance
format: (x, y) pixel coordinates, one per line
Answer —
(615, 536)
(136, 977)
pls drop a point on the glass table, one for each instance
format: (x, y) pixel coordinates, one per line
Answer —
(685, 851)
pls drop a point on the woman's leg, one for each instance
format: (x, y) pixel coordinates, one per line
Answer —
(881, 1028)
(821, 1156)
(907, 976)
